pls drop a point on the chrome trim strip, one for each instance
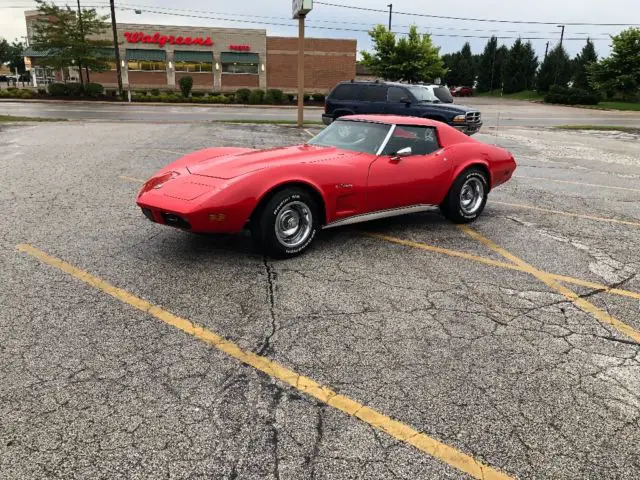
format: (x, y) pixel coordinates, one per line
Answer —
(386, 140)
(393, 212)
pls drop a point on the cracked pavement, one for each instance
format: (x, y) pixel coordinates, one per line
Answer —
(488, 360)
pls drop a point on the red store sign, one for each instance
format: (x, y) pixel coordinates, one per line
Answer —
(162, 40)
(241, 48)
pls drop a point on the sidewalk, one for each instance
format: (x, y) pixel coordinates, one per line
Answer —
(167, 104)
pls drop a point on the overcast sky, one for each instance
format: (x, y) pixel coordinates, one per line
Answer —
(279, 12)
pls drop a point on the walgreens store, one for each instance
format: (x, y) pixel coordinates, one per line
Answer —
(218, 59)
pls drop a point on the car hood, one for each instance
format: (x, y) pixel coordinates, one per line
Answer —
(452, 108)
(235, 164)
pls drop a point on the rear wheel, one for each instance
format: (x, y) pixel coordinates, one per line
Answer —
(287, 224)
(467, 196)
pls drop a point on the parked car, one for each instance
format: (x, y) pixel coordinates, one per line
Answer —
(359, 168)
(366, 97)
(462, 91)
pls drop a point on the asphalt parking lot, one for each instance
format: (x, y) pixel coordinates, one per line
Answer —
(510, 349)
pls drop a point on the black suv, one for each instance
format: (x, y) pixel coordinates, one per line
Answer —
(377, 97)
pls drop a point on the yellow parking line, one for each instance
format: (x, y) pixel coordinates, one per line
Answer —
(499, 264)
(130, 179)
(311, 134)
(394, 428)
(548, 280)
(571, 182)
(568, 214)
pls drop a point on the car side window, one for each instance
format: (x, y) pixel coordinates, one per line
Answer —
(346, 91)
(396, 94)
(373, 93)
(422, 140)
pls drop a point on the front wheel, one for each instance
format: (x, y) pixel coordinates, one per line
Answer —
(287, 224)
(467, 196)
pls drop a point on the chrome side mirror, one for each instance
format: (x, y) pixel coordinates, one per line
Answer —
(403, 152)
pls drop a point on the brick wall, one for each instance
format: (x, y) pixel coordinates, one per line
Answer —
(106, 78)
(232, 81)
(326, 63)
(147, 79)
(201, 80)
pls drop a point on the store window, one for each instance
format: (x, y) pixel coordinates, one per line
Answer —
(194, 67)
(147, 65)
(235, 62)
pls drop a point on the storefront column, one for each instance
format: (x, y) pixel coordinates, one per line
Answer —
(171, 70)
(124, 70)
(262, 71)
(217, 76)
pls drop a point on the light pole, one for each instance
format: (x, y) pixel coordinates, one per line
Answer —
(390, 11)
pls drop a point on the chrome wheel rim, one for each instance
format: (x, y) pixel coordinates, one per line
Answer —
(293, 225)
(471, 195)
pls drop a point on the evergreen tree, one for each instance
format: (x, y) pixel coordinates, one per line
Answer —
(491, 64)
(451, 62)
(530, 66)
(466, 66)
(581, 64)
(555, 70)
(514, 69)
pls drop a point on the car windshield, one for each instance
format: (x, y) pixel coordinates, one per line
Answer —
(443, 94)
(357, 136)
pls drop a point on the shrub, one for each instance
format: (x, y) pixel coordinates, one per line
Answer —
(42, 91)
(291, 98)
(274, 96)
(12, 89)
(155, 92)
(58, 90)
(197, 94)
(242, 95)
(74, 89)
(256, 97)
(220, 99)
(186, 84)
(25, 93)
(4, 93)
(94, 90)
(571, 96)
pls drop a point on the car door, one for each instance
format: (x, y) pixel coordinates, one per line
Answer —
(400, 102)
(372, 99)
(420, 178)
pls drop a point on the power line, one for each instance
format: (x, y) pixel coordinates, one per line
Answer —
(176, 12)
(531, 22)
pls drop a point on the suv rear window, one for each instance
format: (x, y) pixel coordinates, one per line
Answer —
(373, 93)
(443, 94)
(346, 91)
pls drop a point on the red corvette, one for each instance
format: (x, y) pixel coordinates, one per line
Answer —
(359, 168)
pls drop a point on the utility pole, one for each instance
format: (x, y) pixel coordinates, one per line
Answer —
(390, 12)
(546, 49)
(82, 35)
(301, 70)
(116, 48)
(558, 54)
(561, 34)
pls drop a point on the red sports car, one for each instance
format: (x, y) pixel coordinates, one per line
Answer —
(359, 168)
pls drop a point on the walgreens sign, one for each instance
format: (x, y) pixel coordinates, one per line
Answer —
(161, 40)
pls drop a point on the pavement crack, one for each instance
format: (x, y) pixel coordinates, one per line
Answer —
(266, 347)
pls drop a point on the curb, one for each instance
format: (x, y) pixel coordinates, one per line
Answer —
(169, 104)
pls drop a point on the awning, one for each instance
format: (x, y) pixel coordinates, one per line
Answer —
(239, 57)
(193, 56)
(149, 55)
(31, 52)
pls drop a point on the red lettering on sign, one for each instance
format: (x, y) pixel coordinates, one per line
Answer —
(162, 40)
(242, 48)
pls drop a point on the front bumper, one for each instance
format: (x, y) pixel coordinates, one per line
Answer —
(468, 128)
(327, 118)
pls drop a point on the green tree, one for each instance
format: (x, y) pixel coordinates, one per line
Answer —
(530, 66)
(555, 70)
(68, 40)
(620, 72)
(514, 68)
(466, 66)
(451, 62)
(581, 65)
(412, 59)
(491, 66)
(5, 51)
